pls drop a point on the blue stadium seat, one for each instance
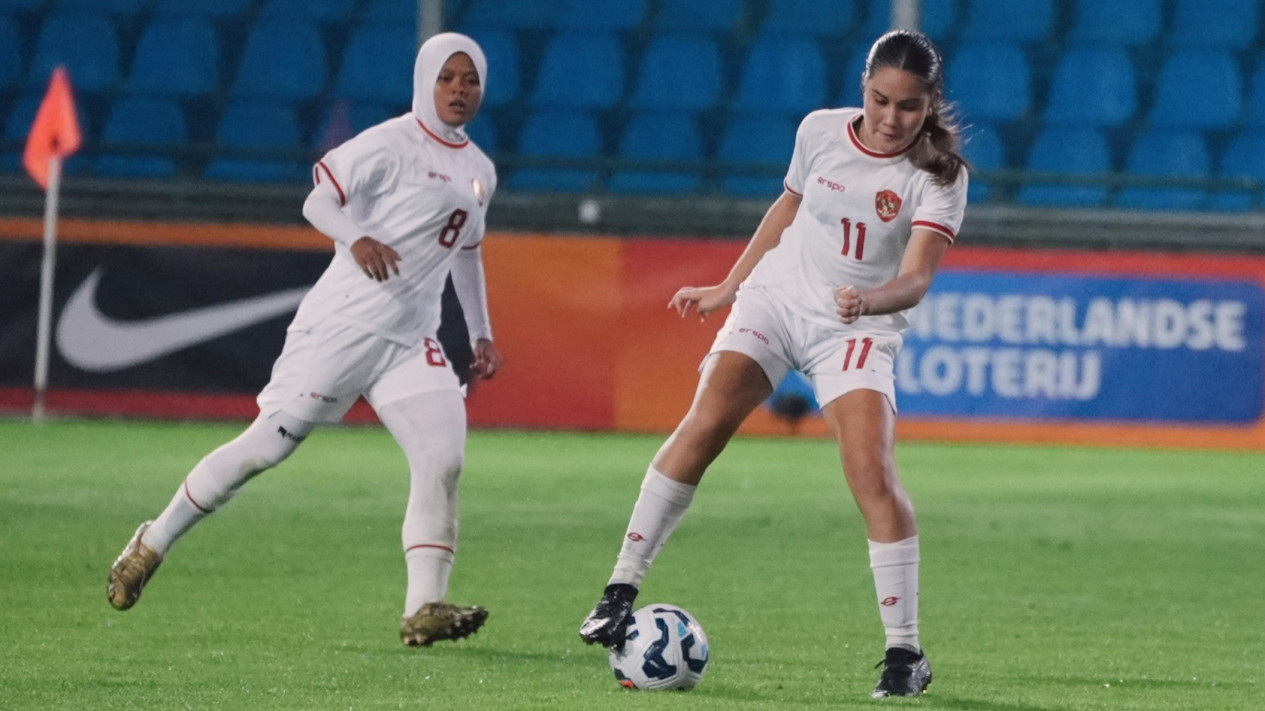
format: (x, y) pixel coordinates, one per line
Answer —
(403, 11)
(557, 134)
(711, 16)
(1129, 23)
(203, 8)
(1093, 85)
(938, 20)
(754, 153)
(984, 149)
(85, 43)
(580, 71)
(1254, 99)
(1223, 24)
(153, 123)
(1197, 89)
(678, 72)
(782, 75)
(852, 76)
(484, 134)
(658, 136)
(1072, 151)
(109, 7)
(512, 14)
(283, 59)
(177, 56)
(342, 119)
(990, 81)
(17, 126)
(504, 65)
(601, 15)
(1167, 154)
(808, 18)
(1243, 157)
(265, 127)
(11, 74)
(377, 65)
(1030, 21)
(320, 11)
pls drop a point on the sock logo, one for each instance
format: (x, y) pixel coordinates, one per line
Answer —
(636, 537)
(285, 433)
(889, 601)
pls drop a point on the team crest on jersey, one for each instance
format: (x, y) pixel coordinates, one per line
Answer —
(887, 205)
(479, 193)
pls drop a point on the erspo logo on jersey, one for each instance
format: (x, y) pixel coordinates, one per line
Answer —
(1063, 346)
(830, 184)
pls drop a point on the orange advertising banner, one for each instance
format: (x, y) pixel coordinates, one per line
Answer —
(591, 345)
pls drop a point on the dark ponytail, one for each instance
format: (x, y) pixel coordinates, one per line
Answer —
(938, 148)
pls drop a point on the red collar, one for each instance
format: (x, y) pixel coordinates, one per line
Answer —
(856, 141)
(431, 133)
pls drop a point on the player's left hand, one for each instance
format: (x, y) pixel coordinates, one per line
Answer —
(487, 359)
(849, 304)
(375, 259)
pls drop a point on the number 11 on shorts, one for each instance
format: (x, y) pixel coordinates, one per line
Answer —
(852, 345)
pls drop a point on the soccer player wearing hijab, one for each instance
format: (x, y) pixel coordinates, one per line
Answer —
(874, 197)
(405, 203)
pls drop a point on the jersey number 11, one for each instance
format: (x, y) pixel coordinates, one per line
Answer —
(847, 238)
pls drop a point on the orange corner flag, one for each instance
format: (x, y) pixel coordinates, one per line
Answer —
(56, 128)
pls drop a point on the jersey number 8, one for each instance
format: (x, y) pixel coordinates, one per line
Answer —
(452, 230)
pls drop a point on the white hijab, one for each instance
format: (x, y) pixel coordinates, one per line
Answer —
(430, 61)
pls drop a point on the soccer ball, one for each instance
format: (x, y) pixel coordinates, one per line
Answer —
(665, 648)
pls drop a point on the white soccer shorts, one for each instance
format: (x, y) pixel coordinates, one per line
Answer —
(321, 372)
(837, 359)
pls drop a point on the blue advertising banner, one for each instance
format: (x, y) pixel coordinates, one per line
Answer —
(1063, 346)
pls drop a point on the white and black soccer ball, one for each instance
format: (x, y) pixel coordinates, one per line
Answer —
(664, 648)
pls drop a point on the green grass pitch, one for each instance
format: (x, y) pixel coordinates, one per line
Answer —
(1052, 578)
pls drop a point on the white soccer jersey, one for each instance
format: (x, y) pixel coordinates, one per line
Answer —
(417, 193)
(857, 211)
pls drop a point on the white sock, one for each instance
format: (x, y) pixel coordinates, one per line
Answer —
(429, 568)
(895, 567)
(659, 509)
(218, 476)
(431, 430)
(173, 522)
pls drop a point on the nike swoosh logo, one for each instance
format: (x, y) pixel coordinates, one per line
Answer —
(96, 343)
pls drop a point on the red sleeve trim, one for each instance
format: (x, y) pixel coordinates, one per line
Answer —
(342, 197)
(935, 227)
(789, 190)
(476, 245)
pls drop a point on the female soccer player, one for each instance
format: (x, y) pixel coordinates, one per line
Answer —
(405, 203)
(873, 198)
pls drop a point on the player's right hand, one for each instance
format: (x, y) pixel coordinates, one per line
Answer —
(703, 299)
(375, 259)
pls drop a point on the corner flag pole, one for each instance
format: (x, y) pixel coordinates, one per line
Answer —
(54, 136)
(44, 331)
